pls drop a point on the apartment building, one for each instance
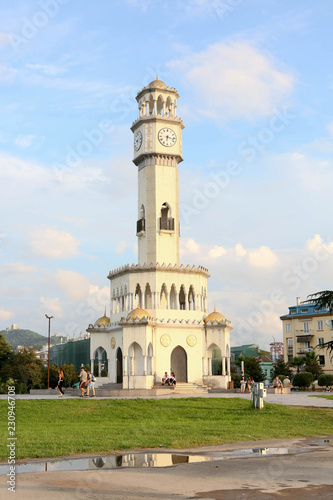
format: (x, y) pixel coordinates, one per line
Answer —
(305, 328)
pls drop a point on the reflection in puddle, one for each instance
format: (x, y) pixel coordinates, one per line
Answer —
(158, 459)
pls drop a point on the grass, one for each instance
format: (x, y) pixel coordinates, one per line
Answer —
(51, 428)
(326, 396)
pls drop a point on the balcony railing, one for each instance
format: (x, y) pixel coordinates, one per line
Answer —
(167, 223)
(140, 226)
(304, 332)
(303, 350)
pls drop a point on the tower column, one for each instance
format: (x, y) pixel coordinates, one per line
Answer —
(228, 365)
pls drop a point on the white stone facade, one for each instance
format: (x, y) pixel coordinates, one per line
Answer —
(158, 308)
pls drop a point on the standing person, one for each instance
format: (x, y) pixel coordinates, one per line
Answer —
(90, 383)
(249, 383)
(83, 380)
(60, 383)
(243, 384)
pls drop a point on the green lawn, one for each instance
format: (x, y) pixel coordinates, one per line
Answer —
(50, 428)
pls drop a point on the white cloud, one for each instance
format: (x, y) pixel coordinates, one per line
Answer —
(25, 141)
(5, 315)
(47, 69)
(240, 250)
(263, 257)
(54, 244)
(216, 252)
(74, 285)
(121, 246)
(235, 80)
(7, 74)
(189, 246)
(52, 306)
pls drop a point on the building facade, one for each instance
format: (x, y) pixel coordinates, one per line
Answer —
(158, 307)
(305, 328)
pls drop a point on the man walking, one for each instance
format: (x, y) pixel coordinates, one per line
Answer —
(83, 380)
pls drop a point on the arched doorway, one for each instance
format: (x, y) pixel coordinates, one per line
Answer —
(179, 363)
(119, 366)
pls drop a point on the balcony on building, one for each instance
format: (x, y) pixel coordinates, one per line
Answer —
(167, 224)
(140, 226)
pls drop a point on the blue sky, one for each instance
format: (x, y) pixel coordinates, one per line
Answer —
(255, 85)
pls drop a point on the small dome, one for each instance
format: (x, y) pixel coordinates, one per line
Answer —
(157, 83)
(103, 321)
(214, 316)
(137, 313)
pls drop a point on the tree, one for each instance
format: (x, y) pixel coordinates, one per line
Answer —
(323, 299)
(27, 368)
(6, 359)
(281, 368)
(297, 362)
(312, 364)
(302, 379)
(253, 368)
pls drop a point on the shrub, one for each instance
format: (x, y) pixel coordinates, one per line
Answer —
(302, 379)
(236, 380)
(325, 379)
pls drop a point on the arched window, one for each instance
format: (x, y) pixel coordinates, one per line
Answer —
(148, 300)
(160, 105)
(191, 299)
(151, 105)
(141, 223)
(182, 298)
(173, 297)
(163, 297)
(138, 295)
(166, 221)
(168, 107)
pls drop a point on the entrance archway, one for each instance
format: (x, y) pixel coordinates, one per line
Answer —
(179, 364)
(119, 366)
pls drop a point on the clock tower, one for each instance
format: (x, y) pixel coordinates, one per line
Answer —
(157, 152)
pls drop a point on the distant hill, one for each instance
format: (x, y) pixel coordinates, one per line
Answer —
(28, 338)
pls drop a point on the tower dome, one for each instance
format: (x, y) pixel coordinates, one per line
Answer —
(157, 83)
(214, 316)
(137, 313)
(103, 321)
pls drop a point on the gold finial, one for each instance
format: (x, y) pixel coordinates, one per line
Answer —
(214, 307)
(157, 73)
(105, 311)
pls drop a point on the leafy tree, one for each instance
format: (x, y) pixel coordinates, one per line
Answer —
(325, 379)
(6, 359)
(297, 362)
(323, 299)
(27, 368)
(280, 368)
(312, 364)
(253, 368)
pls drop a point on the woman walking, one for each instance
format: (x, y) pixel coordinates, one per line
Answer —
(60, 383)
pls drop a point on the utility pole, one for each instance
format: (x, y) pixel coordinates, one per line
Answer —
(48, 356)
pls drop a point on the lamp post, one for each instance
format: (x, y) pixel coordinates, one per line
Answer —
(48, 356)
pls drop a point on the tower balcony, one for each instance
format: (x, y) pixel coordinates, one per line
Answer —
(167, 223)
(140, 226)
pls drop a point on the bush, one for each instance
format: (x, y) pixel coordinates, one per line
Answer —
(325, 379)
(236, 380)
(303, 379)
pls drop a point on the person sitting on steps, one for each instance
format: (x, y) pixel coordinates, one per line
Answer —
(165, 379)
(172, 379)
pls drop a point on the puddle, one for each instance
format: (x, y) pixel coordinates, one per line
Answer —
(140, 460)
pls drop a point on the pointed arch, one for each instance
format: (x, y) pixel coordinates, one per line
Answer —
(150, 355)
(168, 106)
(160, 106)
(135, 359)
(164, 297)
(173, 297)
(178, 363)
(191, 298)
(151, 104)
(148, 297)
(138, 296)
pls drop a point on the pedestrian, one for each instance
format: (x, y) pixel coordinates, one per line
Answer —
(250, 382)
(243, 384)
(277, 384)
(60, 383)
(83, 380)
(90, 383)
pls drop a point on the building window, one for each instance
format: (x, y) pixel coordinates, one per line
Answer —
(288, 328)
(321, 360)
(265, 372)
(304, 310)
(320, 340)
(320, 325)
(306, 327)
(290, 346)
(293, 311)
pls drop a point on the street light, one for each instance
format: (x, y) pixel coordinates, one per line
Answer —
(48, 357)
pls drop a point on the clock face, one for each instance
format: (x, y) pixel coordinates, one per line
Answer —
(137, 141)
(167, 137)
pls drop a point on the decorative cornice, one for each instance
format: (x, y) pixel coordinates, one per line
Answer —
(157, 88)
(137, 268)
(151, 159)
(160, 118)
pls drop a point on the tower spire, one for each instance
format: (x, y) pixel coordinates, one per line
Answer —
(157, 73)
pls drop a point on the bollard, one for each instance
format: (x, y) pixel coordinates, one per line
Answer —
(258, 395)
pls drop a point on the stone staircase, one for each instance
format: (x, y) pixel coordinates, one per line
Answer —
(182, 388)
